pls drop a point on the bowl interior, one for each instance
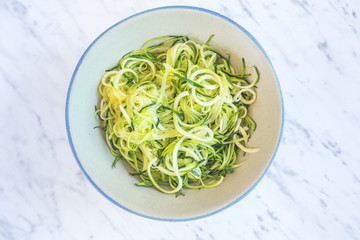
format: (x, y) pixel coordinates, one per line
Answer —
(91, 150)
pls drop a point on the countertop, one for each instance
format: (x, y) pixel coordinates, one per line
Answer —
(312, 189)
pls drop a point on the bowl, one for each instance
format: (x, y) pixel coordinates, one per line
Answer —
(88, 144)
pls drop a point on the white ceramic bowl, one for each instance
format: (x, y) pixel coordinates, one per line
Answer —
(91, 151)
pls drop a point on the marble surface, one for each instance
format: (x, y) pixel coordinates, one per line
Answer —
(311, 191)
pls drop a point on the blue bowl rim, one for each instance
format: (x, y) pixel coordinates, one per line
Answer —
(130, 17)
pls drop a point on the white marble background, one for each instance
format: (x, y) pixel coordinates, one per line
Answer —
(311, 191)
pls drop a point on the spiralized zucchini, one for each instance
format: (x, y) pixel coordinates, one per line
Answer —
(177, 113)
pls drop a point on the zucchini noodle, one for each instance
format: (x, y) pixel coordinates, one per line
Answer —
(177, 112)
